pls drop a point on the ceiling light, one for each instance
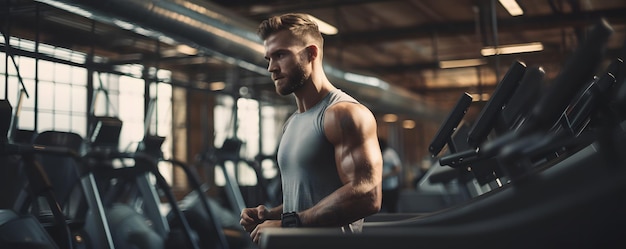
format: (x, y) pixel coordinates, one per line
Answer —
(217, 86)
(186, 49)
(408, 124)
(324, 27)
(390, 118)
(512, 7)
(512, 49)
(461, 63)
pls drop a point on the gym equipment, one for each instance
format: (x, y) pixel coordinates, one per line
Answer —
(487, 117)
(121, 203)
(230, 152)
(23, 232)
(198, 209)
(196, 206)
(136, 187)
(571, 211)
(504, 117)
(132, 185)
(32, 183)
(463, 145)
(17, 230)
(449, 125)
(448, 134)
(528, 92)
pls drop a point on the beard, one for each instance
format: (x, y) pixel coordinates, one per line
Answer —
(295, 81)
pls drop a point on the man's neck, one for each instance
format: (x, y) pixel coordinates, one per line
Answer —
(311, 94)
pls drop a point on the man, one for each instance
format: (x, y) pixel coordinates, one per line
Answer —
(329, 157)
(392, 167)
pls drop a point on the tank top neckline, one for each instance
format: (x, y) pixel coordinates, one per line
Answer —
(323, 99)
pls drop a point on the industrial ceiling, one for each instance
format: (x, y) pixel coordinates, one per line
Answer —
(398, 48)
(404, 41)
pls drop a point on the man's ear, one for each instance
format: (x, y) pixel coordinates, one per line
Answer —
(312, 51)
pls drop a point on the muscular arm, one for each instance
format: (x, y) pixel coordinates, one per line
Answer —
(351, 128)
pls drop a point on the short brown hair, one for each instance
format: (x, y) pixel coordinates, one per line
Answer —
(300, 25)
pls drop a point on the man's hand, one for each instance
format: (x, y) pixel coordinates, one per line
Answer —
(251, 217)
(255, 235)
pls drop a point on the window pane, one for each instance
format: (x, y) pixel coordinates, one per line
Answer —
(27, 120)
(46, 71)
(247, 175)
(62, 73)
(131, 98)
(62, 122)
(62, 101)
(27, 67)
(132, 133)
(79, 99)
(100, 105)
(166, 170)
(131, 86)
(111, 82)
(3, 57)
(46, 96)
(29, 102)
(46, 122)
(248, 112)
(79, 76)
(222, 121)
(11, 66)
(13, 90)
(79, 125)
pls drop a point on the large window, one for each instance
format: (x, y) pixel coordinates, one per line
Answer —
(254, 123)
(58, 94)
(228, 126)
(62, 98)
(59, 100)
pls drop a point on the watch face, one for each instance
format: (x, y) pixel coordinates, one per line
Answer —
(290, 220)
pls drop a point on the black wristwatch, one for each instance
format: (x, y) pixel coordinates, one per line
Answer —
(290, 220)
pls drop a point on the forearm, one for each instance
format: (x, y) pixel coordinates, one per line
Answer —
(343, 206)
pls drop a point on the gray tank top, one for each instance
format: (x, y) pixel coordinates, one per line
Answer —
(307, 159)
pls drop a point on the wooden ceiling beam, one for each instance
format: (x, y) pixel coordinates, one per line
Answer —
(517, 24)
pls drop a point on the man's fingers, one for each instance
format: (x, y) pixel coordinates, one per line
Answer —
(248, 223)
(250, 227)
(254, 236)
(260, 213)
(246, 219)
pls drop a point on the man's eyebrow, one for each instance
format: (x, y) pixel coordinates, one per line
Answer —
(273, 53)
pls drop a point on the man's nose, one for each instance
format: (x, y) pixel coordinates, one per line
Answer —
(272, 67)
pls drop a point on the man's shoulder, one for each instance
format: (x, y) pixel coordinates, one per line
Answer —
(348, 108)
(349, 118)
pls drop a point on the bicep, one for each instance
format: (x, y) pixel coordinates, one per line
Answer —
(351, 128)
